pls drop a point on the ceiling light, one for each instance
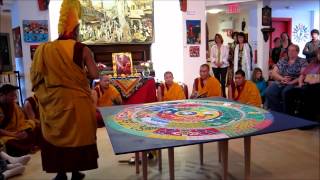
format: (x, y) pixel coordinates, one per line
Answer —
(214, 11)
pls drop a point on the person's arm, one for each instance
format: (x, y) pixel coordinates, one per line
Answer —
(225, 60)
(90, 64)
(306, 50)
(159, 93)
(94, 97)
(194, 92)
(213, 55)
(27, 108)
(276, 75)
(301, 80)
(7, 133)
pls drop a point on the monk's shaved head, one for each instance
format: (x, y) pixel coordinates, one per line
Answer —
(104, 80)
(204, 71)
(168, 77)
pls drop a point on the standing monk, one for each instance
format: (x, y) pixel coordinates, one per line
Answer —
(205, 85)
(59, 74)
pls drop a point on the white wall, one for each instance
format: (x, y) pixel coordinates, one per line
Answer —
(26, 10)
(167, 49)
(196, 11)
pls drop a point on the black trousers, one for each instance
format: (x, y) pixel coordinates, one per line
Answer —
(221, 75)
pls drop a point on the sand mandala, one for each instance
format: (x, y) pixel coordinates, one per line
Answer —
(191, 120)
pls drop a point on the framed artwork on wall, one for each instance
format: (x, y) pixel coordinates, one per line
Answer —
(193, 31)
(35, 31)
(266, 16)
(194, 51)
(5, 53)
(114, 22)
(17, 42)
(122, 63)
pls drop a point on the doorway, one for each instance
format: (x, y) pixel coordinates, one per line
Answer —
(280, 25)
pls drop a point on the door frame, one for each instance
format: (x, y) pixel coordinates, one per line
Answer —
(280, 19)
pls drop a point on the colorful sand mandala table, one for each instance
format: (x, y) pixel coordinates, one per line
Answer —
(191, 120)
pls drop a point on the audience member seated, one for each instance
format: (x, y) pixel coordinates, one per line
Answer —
(205, 85)
(261, 84)
(170, 90)
(12, 166)
(286, 75)
(245, 91)
(310, 49)
(105, 94)
(17, 133)
(31, 109)
(308, 91)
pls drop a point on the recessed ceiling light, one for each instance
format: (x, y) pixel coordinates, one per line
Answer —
(214, 11)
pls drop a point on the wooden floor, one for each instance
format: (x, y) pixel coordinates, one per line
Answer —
(290, 155)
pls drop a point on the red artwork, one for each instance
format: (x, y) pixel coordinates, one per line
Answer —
(17, 42)
(183, 5)
(33, 49)
(122, 63)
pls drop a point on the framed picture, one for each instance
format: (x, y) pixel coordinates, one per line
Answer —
(5, 53)
(35, 30)
(266, 16)
(194, 51)
(43, 4)
(122, 63)
(114, 21)
(17, 42)
(193, 31)
(33, 49)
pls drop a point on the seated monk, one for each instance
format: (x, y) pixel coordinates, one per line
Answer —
(245, 91)
(205, 85)
(169, 90)
(16, 132)
(105, 94)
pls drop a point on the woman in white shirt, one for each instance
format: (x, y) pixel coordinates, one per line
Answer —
(219, 58)
(242, 56)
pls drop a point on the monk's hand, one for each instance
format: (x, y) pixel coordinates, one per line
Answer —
(21, 135)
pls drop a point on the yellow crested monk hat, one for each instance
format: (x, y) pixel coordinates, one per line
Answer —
(70, 14)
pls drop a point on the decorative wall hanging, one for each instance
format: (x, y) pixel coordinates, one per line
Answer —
(35, 30)
(116, 21)
(17, 42)
(266, 16)
(300, 33)
(193, 31)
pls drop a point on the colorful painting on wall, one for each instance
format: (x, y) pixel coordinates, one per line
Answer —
(122, 63)
(194, 51)
(116, 21)
(300, 33)
(33, 49)
(17, 42)
(193, 31)
(35, 31)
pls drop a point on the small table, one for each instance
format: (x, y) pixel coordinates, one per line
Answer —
(124, 141)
